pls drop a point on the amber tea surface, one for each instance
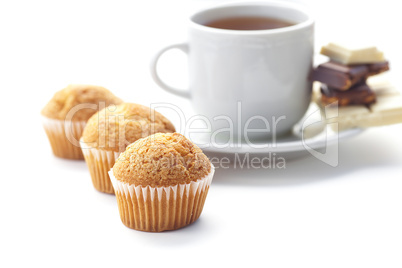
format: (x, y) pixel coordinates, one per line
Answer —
(248, 23)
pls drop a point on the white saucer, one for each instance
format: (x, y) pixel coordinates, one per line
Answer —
(290, 143)
(310, 134)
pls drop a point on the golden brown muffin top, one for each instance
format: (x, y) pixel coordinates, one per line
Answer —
(161, 160)
(78, 102)
(115, 127)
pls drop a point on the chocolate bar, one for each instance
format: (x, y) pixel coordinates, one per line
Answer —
(359, 94)
(343, 77)
(377, 68)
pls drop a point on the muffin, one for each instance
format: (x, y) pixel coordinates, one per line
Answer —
(65, 115)
(110, 131)
(161, 182)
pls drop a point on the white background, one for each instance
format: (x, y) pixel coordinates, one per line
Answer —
(308, 215)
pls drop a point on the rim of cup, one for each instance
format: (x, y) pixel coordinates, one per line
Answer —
(196, 19)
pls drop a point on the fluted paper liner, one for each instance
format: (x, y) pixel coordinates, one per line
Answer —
(63, 137)
(99, 162)
(156, 209)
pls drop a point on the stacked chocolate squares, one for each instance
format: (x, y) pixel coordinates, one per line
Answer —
(343, 78)
(346, 96)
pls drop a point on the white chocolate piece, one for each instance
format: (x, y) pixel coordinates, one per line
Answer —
(348, 116)
(350, 55)
(388, 110)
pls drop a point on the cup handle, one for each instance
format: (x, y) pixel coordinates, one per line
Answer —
(179, 92)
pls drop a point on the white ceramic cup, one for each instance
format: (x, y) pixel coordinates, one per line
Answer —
(257, 79)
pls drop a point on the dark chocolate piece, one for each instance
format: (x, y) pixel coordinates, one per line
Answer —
(343, 77)
(377, 68)
(360, 94)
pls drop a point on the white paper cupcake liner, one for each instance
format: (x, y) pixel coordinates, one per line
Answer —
(64, 137)
(156, 209)
(99, 163)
